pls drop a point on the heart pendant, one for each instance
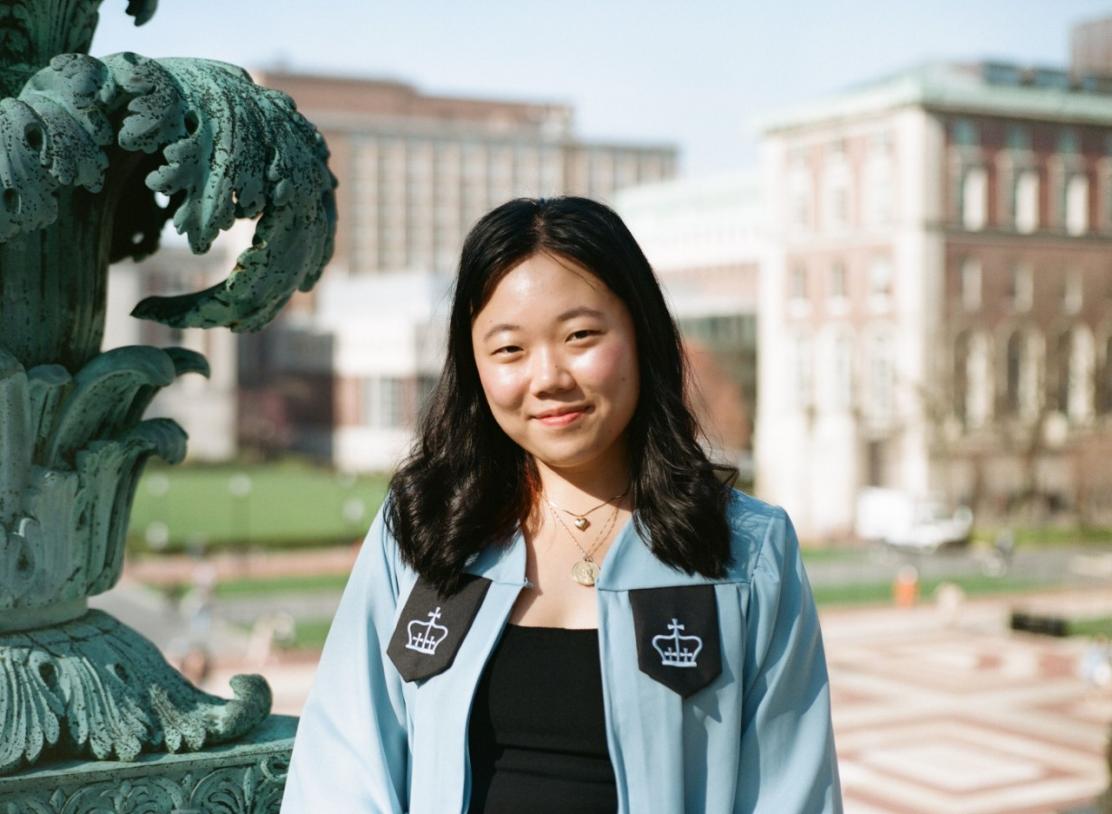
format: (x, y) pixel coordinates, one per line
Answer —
(581, 523)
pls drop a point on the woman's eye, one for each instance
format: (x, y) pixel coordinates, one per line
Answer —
(507, 349)
(583, 334)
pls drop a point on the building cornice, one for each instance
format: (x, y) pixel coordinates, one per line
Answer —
(949, 89)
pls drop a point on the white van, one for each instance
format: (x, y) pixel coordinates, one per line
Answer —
(898, 519)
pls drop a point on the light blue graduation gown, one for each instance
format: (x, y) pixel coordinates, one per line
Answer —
(758, 738)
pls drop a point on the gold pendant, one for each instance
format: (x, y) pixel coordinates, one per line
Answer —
(581, 523)
(585, 572)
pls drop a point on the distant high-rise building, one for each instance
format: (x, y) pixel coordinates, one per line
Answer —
(936, 295)
(1091, 52)
(417, 170)
(346, 370)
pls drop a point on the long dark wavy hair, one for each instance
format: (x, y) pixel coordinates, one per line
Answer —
(466, 485)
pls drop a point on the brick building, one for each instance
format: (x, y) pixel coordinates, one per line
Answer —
(936, 293)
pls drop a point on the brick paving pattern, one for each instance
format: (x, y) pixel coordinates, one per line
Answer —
(936, 711)
(950, 711)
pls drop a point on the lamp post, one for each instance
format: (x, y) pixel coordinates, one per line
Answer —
(88, 146)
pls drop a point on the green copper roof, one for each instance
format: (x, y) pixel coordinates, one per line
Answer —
(951, 88)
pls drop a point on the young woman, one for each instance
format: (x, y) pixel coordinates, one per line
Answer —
(561, 607)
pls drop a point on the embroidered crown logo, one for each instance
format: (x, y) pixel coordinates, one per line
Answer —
(425, 636)
(676, 650)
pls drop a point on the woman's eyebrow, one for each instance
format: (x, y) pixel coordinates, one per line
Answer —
(579, 311)
(498, 328)
(571, 313)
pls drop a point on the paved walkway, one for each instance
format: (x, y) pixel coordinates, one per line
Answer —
(935, 710)
(938, 711)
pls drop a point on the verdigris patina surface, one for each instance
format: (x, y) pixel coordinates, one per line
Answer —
(95, 156)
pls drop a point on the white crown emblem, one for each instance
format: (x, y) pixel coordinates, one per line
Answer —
(676, 650)
(425, 636)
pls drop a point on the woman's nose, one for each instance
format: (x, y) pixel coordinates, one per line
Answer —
(549, 371)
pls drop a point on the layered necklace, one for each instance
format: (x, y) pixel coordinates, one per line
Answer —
(586, 570)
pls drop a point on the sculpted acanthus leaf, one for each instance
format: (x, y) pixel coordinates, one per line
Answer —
(218, 146)
(232, 150)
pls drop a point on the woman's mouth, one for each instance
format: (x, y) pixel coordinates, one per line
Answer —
(563, 419)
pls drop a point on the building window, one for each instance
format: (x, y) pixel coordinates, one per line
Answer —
(836, 371)
(802, 372)
(974, 198)
(842, 370)
(1072, 292)
(1026, 206)
(797, 291)
(383, 402)
(1077, 204)
(1068, 142)
(1058, 372)
(799, 198)
(839, 288)
(1018, 138)
(881, 378)
(1021, 377)
(964, 133)
(879, 192)
(978, 371)
(961, 378)
(1082, 362)
(837, 192)
(971, 284)
(880, 279)
(878, 189)
(1022, 288)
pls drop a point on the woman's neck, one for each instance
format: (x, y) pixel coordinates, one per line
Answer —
(581, 490)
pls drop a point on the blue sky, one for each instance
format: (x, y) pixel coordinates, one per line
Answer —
(694, 74)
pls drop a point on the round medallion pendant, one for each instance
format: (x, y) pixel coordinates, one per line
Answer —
(584, 572)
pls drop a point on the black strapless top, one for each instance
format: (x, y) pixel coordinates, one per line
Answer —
(537, 735)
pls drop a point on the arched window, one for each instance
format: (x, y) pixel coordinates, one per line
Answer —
(1013, 367)
(979, 381)
(842, 370)
(1079, 382)
(801, 380)
(1058, 372)
(881, 378)
(961, 377)
(1021, 374)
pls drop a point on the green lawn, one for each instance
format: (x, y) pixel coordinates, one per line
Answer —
(239, 588)
(309, 634)
(1054, 535)
(289, 504)
(1099, 626)
(881, 592)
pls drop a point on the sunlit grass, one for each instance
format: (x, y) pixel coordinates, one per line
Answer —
(873, 593)
(291, 503)
(1099, 626)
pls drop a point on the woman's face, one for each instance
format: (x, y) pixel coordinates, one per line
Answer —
(553, 338)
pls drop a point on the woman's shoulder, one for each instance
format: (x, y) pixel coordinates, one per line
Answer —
(380, 557)
(759, 532)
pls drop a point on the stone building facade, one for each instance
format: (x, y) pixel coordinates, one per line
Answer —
(936, 303)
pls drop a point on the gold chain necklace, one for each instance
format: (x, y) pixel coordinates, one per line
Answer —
(581, 521)
(586, 570)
